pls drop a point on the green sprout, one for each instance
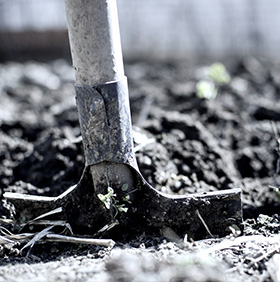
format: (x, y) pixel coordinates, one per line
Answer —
(107, 198)
(216, 75)
(124, 187)
(110, 199)
(206, 90)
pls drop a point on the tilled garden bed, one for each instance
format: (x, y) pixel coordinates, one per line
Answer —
(184, 144)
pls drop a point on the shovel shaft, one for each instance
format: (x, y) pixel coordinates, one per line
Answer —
(95, 40)
(97, 59)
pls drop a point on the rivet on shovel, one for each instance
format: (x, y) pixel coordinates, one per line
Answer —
(111, 187)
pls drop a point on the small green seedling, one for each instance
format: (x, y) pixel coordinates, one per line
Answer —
(206, 90)
(107, 198)
(216, 75)
(124, 187)
(110, 199)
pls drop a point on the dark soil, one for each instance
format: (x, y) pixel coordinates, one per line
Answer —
(184, 145)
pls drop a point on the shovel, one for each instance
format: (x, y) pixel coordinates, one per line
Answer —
(112, 194)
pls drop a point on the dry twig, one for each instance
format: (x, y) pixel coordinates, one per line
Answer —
(52, 212)
(36, 238)
(78, 240)
(7, 237)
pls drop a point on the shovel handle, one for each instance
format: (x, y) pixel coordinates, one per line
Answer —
(94, 37)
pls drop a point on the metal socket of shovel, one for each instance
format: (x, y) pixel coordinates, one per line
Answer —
(111, 188)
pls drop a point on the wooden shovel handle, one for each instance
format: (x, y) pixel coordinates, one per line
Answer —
(95, 40)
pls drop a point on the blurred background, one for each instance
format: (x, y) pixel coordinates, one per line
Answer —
(150, 29)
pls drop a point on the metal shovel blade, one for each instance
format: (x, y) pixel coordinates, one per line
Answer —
(198, 215)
